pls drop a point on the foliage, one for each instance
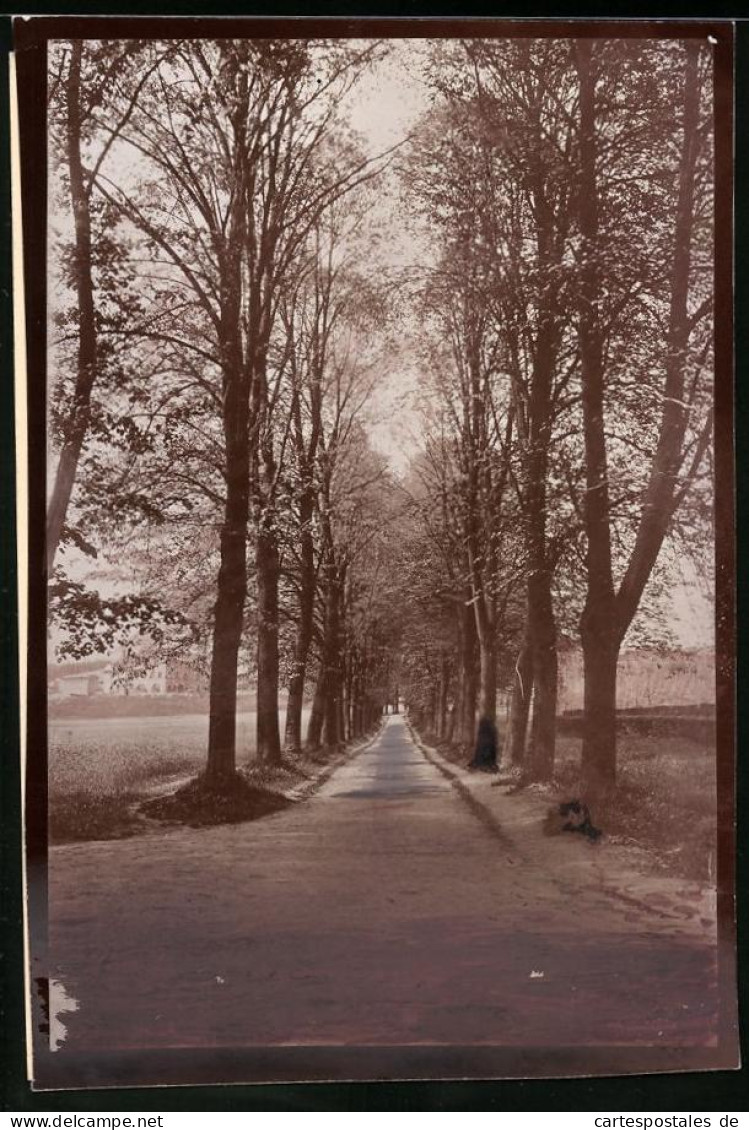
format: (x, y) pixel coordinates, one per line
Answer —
(95, 624)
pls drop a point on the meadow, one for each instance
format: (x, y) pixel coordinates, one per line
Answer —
(99, 768)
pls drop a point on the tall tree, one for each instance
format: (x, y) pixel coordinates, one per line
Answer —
(232, 142)
(94, 90)
(332, 321)
(523, 88)
(682, 435)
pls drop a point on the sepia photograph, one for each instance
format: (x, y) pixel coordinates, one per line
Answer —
(380, 632)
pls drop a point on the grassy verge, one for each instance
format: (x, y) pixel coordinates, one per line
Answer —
(79, 815)
(665, 800)
(107, 785)
(196, 805)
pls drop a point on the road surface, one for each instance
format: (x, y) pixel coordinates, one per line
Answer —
(381, 911)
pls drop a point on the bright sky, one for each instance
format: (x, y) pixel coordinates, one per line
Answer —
(390, 97)
(384, 108)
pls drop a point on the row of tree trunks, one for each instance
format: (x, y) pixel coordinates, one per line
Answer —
(356, 712)
(341, 709)
(361, 712)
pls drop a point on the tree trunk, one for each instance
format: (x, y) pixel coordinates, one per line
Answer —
(600, 655)
(488, 681)
(232, 577)
(431, 720)
(541, 623)
(485, 748)
(317, 713)
(343, 697)
(305, 627)
(332, 663)
(536, 408)
(295, 702)
(540, 762)
(450, 727)
(522, 689)
(358, 703)
(468, 679)
(228, 622)
(443, 693)
(77, 423)
(268, 734)
(598, 626)
(353, 700)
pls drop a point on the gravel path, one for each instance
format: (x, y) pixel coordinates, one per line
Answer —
(381, 911)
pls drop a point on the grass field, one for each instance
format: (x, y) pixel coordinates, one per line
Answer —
(137, 706)
(98, 767)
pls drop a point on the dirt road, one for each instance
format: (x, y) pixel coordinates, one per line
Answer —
(381, 911)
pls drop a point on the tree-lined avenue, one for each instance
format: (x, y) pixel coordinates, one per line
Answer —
(381, 911)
